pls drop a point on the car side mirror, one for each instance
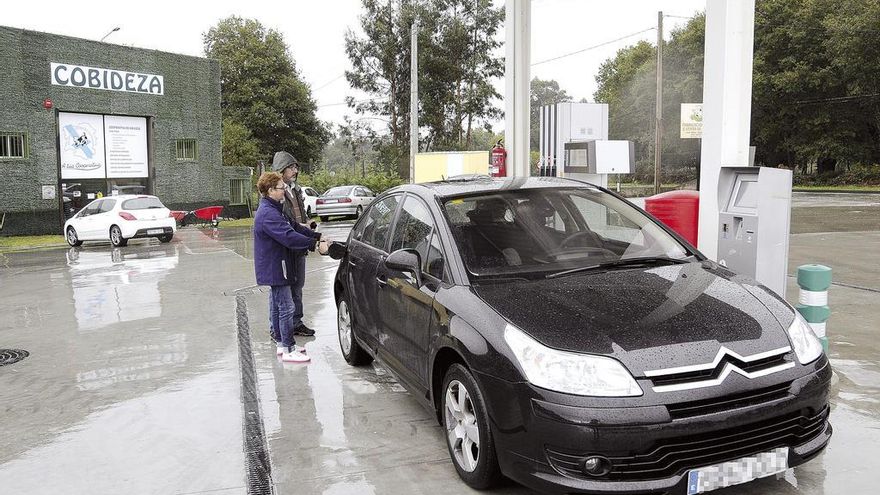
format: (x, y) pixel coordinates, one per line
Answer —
(336, 250)
(406, 260)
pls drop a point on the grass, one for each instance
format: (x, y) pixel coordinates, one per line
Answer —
(237, 223)
(848, 188)
(17, 243)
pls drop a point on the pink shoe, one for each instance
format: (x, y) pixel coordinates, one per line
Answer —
(295, 356)
(280, 349)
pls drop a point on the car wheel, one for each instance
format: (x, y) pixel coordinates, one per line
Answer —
(324, 218)
(72, 238)
(353, 353)
(359, 211)
(116, 237)
(468, 436)
(308, 212)
(165, 238)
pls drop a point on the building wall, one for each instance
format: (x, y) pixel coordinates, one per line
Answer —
(189, 109)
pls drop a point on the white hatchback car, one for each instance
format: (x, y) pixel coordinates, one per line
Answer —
(344, 200)
(120, 218)
(310, 198)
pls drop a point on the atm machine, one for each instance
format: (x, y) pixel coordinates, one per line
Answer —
(754, 220)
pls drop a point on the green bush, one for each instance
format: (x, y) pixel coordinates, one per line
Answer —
(377, 181)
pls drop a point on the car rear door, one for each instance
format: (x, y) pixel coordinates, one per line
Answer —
(367, 252)
(408, 311)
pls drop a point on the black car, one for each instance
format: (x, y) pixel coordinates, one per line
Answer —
(571, 342)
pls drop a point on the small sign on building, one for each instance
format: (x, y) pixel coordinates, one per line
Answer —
(691, 120)
(48, 192)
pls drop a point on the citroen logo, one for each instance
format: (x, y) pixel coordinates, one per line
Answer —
(725, 356)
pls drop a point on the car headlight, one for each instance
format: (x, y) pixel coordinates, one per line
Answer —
(569, 372)
(806, 345)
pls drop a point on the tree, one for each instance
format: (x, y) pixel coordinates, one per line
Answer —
(239, 146)
(261, 89)
(457, 41)
(542, 93)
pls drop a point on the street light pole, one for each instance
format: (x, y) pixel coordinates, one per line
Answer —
(414, 101)
(111, 32)
(658, 122)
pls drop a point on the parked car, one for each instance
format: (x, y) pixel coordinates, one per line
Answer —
(120, 218)
(310, 198)
(569, 341)
(344, 200)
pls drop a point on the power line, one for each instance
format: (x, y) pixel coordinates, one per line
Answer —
(340, 76)
(595, 46)
(345, 103)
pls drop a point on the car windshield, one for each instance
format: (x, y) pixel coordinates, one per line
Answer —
(144, 203)
(549, 231)
(338, 191)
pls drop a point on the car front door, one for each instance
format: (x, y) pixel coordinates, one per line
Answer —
(408, 311)
(86, 221)
(104, 218)
(367, 252)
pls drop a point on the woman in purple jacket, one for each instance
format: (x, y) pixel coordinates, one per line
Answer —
(274, 240)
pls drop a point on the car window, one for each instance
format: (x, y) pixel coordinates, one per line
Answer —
(413, 228)
(435, 263)
(142, 203)
(91, 208)
(338, 191)
(310, 192)
(553, 229)
(375, 227)
(107, 205)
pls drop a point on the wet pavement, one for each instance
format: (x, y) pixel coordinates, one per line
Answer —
(134, 382)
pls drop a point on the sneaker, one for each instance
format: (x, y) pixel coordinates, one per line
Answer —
(280, 349)
(303, 330)
(295, 357)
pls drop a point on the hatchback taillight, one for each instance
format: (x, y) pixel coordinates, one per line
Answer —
(126, 215)
(319, 201)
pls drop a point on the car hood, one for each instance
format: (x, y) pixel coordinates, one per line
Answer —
(648, 318)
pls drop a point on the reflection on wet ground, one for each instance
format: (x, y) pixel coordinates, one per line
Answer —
(133, 380)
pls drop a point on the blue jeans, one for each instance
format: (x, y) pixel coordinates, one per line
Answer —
(281, 310)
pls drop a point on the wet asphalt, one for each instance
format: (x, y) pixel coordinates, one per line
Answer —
(137, 382)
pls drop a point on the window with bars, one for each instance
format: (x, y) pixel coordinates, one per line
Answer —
(13, 145)
(187, 150)
(238, 191)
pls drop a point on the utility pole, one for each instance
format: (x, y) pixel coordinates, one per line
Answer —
(658, 122)
(413, 100)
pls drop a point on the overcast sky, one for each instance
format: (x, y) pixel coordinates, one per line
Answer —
(315, 31)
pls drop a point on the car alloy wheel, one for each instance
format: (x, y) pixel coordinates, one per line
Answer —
(116, 237)
(468, 435)
(72, 238)
(461, 426)
(353, 353)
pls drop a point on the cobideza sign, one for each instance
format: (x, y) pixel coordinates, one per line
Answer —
(109, 79)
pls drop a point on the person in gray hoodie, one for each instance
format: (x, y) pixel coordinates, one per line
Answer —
(285, 164)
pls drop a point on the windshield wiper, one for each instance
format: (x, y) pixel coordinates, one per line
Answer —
(646, 260)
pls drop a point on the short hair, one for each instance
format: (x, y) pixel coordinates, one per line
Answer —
(267, 181)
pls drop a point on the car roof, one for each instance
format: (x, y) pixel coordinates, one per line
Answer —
(128, 196)
(476, 184)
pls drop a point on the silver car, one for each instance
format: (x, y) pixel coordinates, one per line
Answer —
(344, 200)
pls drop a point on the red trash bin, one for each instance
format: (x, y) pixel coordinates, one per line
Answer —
(679, 210)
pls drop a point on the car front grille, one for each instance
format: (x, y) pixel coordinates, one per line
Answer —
(709, 374)
(673, 456)
(729, 402)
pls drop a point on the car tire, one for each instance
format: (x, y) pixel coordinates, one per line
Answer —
(353, 353)
(116, 237)
(72, 237)
(324, 218)
(476, 462)
(165, 238)
(359, 211)
(308, 212)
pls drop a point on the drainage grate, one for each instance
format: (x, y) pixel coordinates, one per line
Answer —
(11, 356)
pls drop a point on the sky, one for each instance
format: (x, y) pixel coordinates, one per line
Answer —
(315, 30)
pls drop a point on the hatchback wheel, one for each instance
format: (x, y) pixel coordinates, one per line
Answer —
(468, 436)
(165, 238)
(116, 237)
(359, 212)
(353, 353)
(308, 212)
(72, 238)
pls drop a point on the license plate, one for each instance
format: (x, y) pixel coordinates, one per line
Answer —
(738, 471)
(328, 201)
(155, 231)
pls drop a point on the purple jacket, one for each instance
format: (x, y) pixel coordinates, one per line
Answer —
(274, 242)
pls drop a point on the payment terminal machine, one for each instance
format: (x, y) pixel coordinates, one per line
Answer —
(755, 214)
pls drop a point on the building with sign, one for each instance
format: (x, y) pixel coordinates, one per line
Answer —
(82, 119)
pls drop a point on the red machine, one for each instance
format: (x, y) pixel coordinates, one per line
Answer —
(208, 214)
(498, 161)
(679, 210)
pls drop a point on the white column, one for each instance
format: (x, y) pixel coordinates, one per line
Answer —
(517, 25)
(727, 105)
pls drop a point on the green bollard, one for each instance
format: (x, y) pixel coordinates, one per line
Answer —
(814, 281)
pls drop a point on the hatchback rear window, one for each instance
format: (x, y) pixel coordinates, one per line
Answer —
(339, 191)
(142, 203)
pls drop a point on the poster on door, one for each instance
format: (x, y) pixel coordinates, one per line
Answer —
(126, 140)
(81, 143)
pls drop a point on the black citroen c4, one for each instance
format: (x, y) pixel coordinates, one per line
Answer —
(569, 341)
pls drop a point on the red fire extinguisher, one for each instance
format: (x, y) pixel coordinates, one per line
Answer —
(498, 160)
